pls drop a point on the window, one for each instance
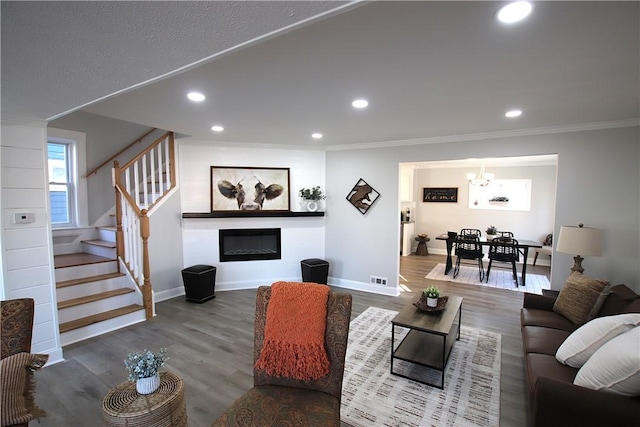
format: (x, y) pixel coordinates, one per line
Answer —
(61, 188)
(67, 186)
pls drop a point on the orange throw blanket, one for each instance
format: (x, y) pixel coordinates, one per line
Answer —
(294, 332)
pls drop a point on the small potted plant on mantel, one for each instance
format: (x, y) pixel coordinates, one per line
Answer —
(432, 293)
(311, 196)
(492, 232)
(143, 368)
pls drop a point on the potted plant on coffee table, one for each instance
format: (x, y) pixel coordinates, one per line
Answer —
(432, 293)
(143, 367)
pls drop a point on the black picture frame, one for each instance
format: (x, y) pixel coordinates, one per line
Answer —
(362, 196)
(228, 183)
(440, 194)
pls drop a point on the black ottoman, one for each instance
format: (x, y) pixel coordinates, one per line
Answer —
(199, 282)
(315, 270)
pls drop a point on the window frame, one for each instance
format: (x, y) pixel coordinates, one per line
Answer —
(78, 204)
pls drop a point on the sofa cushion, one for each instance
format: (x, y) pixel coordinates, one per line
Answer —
(618, 300)
(537, 339)
(545, 318)
(18, 388)
(614, 367)
(580, 298)
(546, 365)
(588, 338)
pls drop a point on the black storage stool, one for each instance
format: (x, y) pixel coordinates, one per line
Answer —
(315, 270)
(199, 282)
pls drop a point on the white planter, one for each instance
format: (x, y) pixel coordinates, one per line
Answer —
(490, 237)
(432, 302)
(148, 385)
(312, 205)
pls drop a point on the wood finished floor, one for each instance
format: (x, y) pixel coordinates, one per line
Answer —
(210, 347)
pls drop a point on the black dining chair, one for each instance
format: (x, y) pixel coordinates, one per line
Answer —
(505, 234)
(468, 246)
(504, 249)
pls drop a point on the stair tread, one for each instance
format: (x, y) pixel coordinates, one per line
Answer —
(103, 243)
(99, 317)
(81, 258)
(107, 227)
(88, 279)
(94, 297)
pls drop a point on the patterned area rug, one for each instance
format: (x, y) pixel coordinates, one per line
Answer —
(499, 278)
(372, 396)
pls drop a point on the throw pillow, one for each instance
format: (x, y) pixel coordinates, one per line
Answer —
(18, 388)
(579, 298)
(614, 367)
(584, 341)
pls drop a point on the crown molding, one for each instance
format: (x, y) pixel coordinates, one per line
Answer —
(582, 127)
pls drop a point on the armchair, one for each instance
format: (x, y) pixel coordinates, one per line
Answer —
(278, 400)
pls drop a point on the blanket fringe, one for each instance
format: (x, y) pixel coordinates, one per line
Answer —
(300, 361)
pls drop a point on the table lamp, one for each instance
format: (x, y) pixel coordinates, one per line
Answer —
(579, 241)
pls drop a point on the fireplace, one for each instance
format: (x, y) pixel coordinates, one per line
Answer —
(249, 244)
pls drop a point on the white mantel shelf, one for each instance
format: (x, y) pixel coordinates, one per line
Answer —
(250, 214)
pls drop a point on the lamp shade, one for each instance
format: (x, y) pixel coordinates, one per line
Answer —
(584, 241)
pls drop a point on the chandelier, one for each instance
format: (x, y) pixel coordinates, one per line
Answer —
(481, 180)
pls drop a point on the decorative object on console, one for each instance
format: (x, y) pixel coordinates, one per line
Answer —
(579, 241)
(362, 196)
(481, 180)
(143, 368)
(236, 188)
(311, 196)
(491, 231)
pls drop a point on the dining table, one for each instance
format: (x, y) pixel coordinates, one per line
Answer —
(523, 248)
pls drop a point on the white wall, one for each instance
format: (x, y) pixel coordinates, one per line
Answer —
(597, 184)
(437, 218)
(26, 248)
(301, 237)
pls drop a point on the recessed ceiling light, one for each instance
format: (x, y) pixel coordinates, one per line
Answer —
(513, 113)
(514, 12)
(316, 135)
(217, 128)
(195, 96)
(360, 103)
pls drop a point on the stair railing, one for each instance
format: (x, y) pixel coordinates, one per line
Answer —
(139, 185)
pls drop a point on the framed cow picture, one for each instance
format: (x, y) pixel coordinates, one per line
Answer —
(240, 188)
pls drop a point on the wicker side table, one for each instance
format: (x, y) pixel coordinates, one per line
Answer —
(166, 407)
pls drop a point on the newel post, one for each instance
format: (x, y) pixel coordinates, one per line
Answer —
(119, 233)
(146, 286)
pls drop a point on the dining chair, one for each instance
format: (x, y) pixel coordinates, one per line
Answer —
(468, 247)
(505, 234)
(546, 249)
(504, 249)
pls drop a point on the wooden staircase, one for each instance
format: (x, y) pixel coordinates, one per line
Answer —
(94, 297)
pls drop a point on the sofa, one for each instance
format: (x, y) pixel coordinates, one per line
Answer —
(554, 399)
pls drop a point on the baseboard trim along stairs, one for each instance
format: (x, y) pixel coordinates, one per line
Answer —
(93, 296)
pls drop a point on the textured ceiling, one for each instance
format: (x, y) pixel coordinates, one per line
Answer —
(429, 69)
(57, 56)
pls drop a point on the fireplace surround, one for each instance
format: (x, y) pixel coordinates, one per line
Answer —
(249, 244)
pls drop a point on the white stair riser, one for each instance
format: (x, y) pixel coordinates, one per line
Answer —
(79, 271)
(108, 235)
(90, 288)
(99, 250)
(100, 328)
(91, 308)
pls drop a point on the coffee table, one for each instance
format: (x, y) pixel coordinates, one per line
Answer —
(429, 341)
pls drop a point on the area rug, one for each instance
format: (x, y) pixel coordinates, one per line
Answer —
(372, 396)
(499, 278)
